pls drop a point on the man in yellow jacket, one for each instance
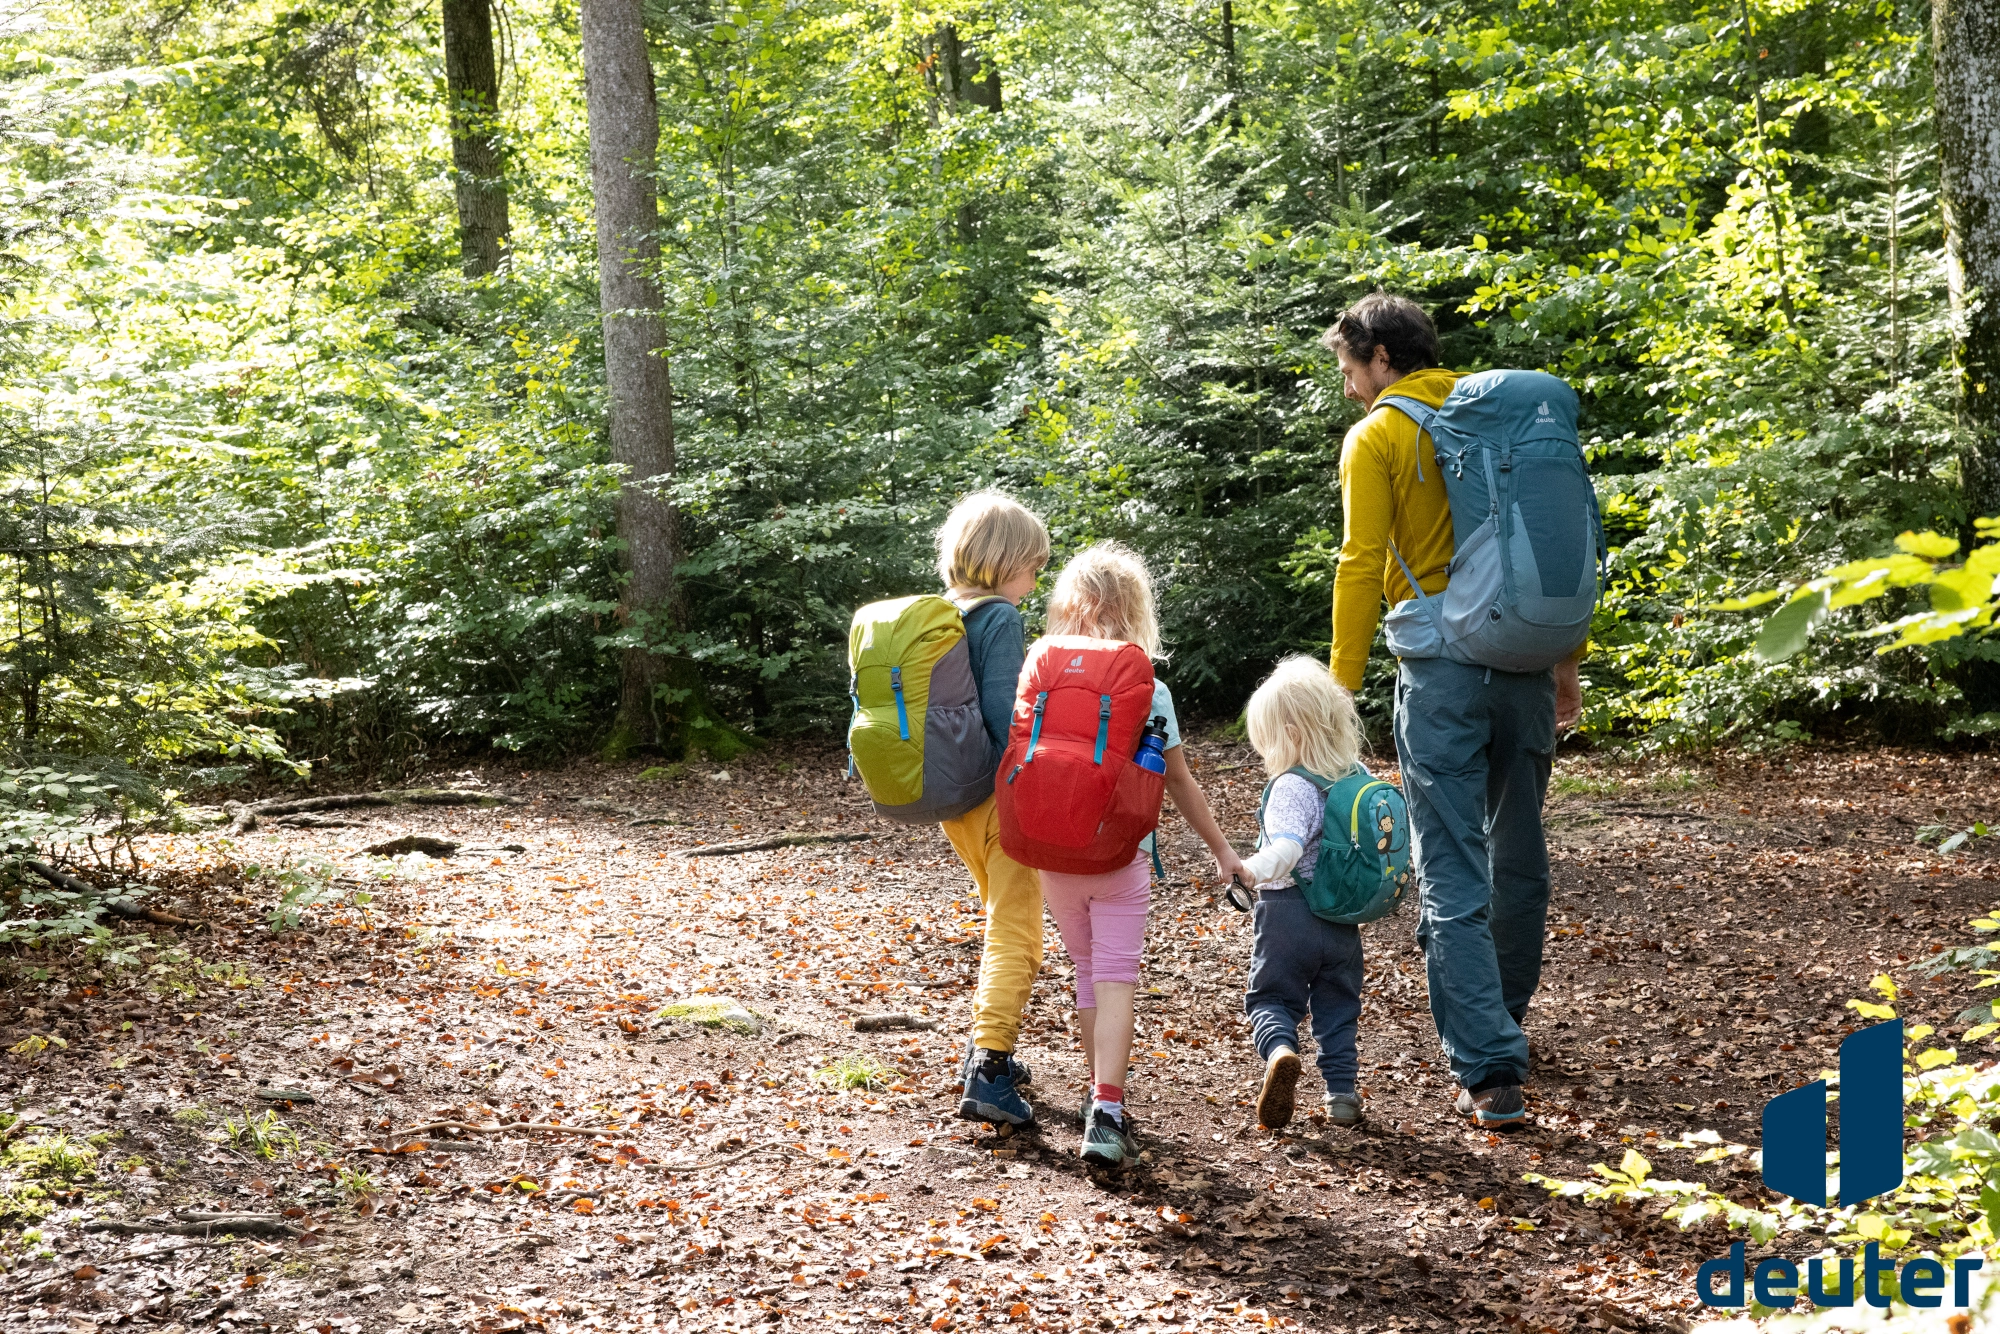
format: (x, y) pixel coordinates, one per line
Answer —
(1474, 744)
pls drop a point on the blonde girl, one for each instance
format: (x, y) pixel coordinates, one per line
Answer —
(1105, 593)
(1300, 719)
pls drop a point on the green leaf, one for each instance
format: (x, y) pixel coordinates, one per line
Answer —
(1931, 546)
(1788, 629)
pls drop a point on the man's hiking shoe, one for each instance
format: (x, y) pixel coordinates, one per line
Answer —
(1498, 1108)
(1343, 1109)
(1019, 1068)
(990, 1096)
(1281, 1077)
(1107, 1141)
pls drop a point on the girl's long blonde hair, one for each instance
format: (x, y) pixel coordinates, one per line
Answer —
(1300, 718)
(1105, 593)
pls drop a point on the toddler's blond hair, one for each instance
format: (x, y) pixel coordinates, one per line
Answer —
(1104, 592)
(1301, 718)
(988, 538)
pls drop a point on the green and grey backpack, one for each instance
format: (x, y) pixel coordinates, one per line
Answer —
(916, 737)
(1363, 868)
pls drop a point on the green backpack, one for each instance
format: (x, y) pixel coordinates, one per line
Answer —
(1363, 867)
(917, 738)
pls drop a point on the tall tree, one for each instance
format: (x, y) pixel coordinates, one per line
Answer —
(472, 82)
(624, 140)
(1966, 65)
(956, 72)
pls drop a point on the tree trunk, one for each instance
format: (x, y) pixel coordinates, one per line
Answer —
(624, 135)
(1966, 69)
(472, 82)
(957, 73)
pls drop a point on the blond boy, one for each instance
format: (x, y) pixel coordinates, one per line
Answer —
(990, 551)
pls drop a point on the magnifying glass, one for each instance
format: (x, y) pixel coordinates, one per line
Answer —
(1237, 895)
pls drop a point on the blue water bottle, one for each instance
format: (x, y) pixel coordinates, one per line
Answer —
(1152, 756)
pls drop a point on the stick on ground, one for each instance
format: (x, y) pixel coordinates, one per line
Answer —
(200, 1225)
(765, 844)
(121, 907)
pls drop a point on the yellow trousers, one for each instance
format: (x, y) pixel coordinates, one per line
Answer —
(1012, 955)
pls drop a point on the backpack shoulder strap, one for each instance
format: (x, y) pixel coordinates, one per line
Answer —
(970, 605)
(1419, 412)
(1325, 785)
(1423, 414)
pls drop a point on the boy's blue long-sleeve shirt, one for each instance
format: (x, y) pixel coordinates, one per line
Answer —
(997, 643)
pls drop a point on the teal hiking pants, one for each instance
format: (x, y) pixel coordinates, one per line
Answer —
(1475, 747)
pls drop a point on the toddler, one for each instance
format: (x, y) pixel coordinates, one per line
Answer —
(1299, 719)
(1105, 593)
(990, 551)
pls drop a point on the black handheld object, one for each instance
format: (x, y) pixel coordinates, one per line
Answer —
(1239, 895)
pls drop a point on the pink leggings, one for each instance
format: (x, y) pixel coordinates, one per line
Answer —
(1102, 919)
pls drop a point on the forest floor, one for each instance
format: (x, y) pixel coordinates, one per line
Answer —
(1708, 925)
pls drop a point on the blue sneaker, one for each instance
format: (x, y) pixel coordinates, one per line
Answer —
(991, 1096)
(1018, 1068)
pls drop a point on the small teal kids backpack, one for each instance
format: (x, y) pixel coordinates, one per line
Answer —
(1363, 867)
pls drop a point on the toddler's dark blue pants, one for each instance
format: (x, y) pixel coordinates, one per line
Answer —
(1302, 963)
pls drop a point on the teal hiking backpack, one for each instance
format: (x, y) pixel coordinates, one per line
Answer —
(1363, 867)
(1529, 553)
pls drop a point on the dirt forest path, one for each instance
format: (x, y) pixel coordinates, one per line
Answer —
(709, 1171)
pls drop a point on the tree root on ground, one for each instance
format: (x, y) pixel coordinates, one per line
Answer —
(245, 818)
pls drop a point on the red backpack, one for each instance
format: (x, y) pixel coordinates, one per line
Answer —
(1070, 798)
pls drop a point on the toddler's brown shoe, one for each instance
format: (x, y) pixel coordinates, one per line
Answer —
(1281, 1077)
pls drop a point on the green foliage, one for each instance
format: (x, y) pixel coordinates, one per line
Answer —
(857, 1070)
(84, 814)
(1963, 597)
(279, 486)
(265, 1136)
(33, 1166)
(303, 884)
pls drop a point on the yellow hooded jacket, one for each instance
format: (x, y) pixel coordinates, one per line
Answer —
(1382, 498)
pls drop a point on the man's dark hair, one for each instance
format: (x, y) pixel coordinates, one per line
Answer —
(1392, 322)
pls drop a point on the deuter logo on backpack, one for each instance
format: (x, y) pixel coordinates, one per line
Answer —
(1528, 538)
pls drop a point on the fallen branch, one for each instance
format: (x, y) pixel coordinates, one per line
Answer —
(408, 843)
(246, 815)
(200, 1225)
(415, 1131)
(882, 1023)
(125, 908)
(677, 1168)
(21, 1122)
(776, 841)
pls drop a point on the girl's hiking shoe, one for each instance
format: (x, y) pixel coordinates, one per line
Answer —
(1107, 1140)
(1281, 1078)
(991, 1096)
(1343, 1109)
(1497, 1108)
